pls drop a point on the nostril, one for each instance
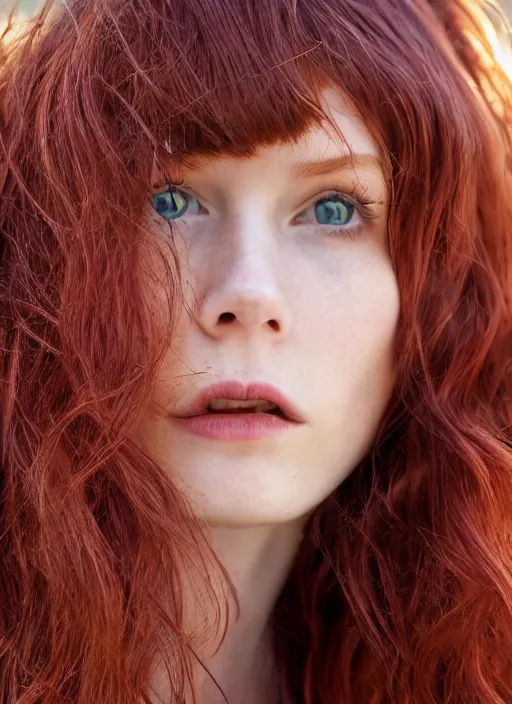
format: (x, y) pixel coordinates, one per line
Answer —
(227, 318)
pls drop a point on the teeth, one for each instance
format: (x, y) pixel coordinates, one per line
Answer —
(256, 405)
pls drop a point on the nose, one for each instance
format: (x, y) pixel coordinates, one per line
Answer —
(242, 290)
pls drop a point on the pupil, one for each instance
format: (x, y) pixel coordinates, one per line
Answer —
(333, 212)
(169, 204)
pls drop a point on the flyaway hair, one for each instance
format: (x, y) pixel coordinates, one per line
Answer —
(402, 591)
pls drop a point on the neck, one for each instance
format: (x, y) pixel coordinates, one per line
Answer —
(242, 671)
(258, 561)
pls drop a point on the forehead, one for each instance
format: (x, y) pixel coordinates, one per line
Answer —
(343, 131)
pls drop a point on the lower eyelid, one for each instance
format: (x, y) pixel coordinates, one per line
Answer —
(347, 232)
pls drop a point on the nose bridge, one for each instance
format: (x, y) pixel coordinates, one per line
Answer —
(253, 255)
(246, 290)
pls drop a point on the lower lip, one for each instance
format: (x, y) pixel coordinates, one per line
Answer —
(235, 426)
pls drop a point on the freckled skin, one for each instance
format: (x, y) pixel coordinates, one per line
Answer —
(256, 250)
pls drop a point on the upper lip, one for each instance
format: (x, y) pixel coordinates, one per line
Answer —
(238, 391)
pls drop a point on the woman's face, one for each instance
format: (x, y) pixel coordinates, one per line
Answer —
(291, 299)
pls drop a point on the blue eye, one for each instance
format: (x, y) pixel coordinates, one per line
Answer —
(334, 211)
(173, 204)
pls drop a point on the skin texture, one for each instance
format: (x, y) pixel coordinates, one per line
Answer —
(255, 250)
(313, 311)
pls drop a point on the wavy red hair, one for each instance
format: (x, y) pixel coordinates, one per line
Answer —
(402, 591)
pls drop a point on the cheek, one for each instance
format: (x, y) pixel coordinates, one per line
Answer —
(352, 310)
(349, 332)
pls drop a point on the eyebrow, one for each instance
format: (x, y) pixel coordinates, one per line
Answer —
(326, 166)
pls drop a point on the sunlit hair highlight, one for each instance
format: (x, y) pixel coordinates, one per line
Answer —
(402, 591)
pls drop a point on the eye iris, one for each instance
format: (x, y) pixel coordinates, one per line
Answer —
(330, 211)
(170, 204)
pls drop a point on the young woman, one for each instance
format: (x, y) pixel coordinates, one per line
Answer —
(256, 315)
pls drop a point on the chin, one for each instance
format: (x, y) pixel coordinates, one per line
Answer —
(250, 504)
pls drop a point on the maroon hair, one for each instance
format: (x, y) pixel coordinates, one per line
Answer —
(402, 591)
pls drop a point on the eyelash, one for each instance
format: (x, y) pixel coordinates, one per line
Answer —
(361, 205)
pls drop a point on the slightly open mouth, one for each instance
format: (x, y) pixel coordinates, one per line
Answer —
(232, 398)
(238, 411)
(253, 406)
